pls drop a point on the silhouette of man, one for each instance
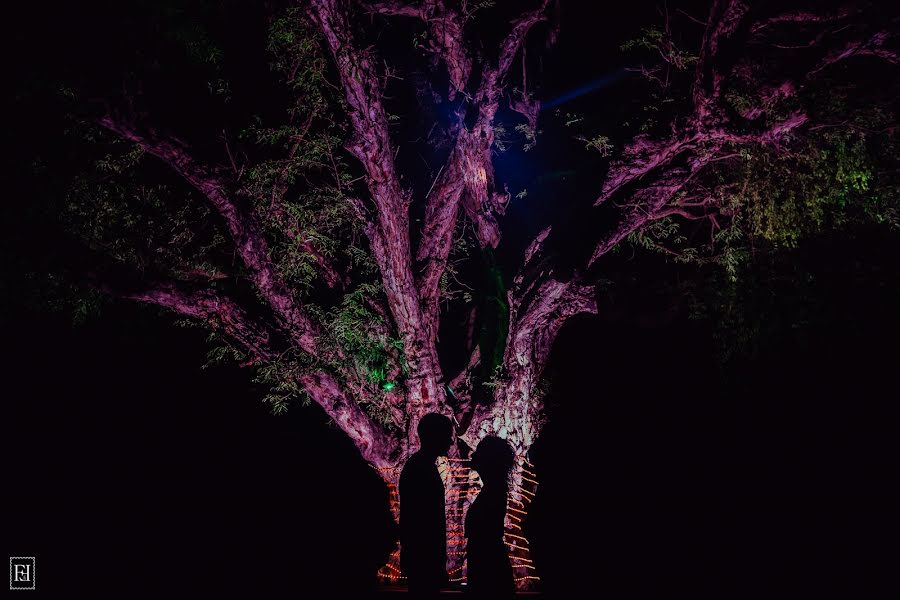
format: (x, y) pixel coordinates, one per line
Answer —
(423, 528)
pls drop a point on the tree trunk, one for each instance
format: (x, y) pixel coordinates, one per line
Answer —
(461, 486)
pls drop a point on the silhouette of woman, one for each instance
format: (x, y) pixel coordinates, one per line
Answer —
(489, 570)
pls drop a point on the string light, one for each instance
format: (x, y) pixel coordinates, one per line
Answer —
(463, 485)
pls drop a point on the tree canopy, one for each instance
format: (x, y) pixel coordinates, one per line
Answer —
(362, 201)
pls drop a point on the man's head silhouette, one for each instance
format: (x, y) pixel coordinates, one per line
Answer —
(435, 434)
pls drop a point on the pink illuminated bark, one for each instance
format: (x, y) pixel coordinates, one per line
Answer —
(373, 442)
(539, 305)
(205, 305)
(389, 233)
(242, 224)
(445, 24)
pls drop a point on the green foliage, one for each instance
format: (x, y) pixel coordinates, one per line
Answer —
(529, 134)
(600, 143)
(197, 43)
(839, 176)
(828, 181)
(571, 119)
(657, 231)
(654, 40)
(358, 338)
(150, 226)
(470, 8)
(188, 28)
(496, 379)
(221, 352)
(302, 194)
(450, 285)
(522, 136)
(649, 39)
(55, 293)
(297, 56)
(281, 381)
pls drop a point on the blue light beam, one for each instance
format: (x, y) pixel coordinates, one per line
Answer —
(593, 86)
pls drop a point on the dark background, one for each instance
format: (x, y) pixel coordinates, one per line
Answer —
(131, 471)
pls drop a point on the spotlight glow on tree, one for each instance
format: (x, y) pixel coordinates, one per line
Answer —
(314, 259)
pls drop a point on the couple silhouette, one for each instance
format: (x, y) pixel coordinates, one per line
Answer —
(423, 537)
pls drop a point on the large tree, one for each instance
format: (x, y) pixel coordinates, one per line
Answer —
(317, 256)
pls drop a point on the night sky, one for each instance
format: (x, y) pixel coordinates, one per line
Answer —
(131, 471)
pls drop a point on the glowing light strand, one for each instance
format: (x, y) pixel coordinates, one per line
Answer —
(457, 501)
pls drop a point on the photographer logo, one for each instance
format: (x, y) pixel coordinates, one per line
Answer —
(21, 572)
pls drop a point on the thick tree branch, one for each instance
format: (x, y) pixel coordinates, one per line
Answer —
(206, 305)
(540, 303)
(643, 156)
(640, 157)
(394, 8)
(658, 190)
(447, 41)
(375, 445)
(288, 222)
(242, 225)
(538, 309)
(390, 232)
(491, 79)
(441, 211)
(468, 176)
(724, 19)
(801, 17)
(872, 46)
(481, 202)
(445, 26)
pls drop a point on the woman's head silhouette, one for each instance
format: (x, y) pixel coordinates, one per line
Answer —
(493, 459)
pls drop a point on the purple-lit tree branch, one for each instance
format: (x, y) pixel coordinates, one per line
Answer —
(242, 225)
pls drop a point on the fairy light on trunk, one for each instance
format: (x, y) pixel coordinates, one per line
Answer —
(462, 485)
